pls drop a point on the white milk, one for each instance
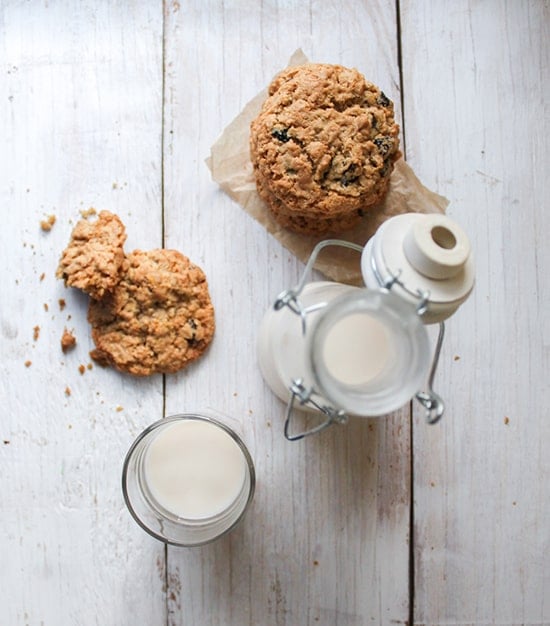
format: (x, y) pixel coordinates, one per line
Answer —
(356, 349)
(194, 469)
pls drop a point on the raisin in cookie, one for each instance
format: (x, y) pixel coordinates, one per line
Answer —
(158, 319)
(94, 256)
(324, 143)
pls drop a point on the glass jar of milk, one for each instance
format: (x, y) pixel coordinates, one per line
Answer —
(188, 479)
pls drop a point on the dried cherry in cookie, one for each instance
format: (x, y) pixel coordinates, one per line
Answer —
(158, 319)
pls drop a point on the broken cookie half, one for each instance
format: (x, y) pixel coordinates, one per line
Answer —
(93, 259)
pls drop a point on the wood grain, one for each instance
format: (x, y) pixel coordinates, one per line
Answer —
(80, 120)
(482, 503)
(326, 540)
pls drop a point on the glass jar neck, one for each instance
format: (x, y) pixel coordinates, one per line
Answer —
(367, 353)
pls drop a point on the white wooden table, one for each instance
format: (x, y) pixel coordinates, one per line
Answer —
(115, 105)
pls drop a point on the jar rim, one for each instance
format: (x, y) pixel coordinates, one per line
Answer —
(137, 504)
(399, 379)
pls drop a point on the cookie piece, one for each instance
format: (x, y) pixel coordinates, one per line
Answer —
(324, 143)
(159, 317)
(94, 256)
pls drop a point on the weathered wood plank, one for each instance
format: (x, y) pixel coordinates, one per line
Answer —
(80, 122)
(476, 110)
(326, 540)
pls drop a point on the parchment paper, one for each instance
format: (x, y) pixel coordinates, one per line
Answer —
(231, 168)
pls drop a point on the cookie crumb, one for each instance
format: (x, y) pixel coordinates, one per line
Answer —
(46, 307)
(67, 391)
(315, 562)
(88, 212)
(100, 358)
(82, 369)
(42, 276)
(36, 333)
(456, 358)
(46, 225)
(62, 304)
(506, 420)
(6, 442)
(119, 409)
(90, 366)
(68, 340)
(28, 363)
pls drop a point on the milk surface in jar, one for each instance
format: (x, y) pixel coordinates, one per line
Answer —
(194, 470)
(357, 349)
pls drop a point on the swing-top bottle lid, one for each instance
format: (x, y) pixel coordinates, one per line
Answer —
(423, 258)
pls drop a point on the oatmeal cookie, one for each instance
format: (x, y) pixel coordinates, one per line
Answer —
(324, 143)
(94, 256)
(159, 317)
(307, 225)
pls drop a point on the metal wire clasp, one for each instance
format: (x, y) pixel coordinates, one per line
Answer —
(304, 395)
(430, 400)
(289, 297)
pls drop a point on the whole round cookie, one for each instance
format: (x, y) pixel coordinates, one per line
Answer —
(324, 142)
(158, 319)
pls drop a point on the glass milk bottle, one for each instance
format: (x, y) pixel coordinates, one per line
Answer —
(341, 350)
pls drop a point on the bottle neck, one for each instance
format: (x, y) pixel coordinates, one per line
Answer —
(368, 353)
